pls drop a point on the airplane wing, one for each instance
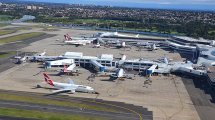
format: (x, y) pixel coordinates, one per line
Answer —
(62, 91)
(114, 76)
(128, 76)
(71, 81)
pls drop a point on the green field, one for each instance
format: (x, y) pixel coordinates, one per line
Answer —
(5, 17)
(5, 32)
(4, 55)
(50, 28)
(18, 28)
(211, 31)
(12, 112)
(20, 37)
(2, 25)
(28, 99)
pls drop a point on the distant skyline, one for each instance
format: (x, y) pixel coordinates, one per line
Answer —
(160, 4)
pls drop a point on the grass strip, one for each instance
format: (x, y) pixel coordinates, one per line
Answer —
(12, 112)
(3, 25)
(20, 37)
(7, 54)
(5, 32)
(28, 99)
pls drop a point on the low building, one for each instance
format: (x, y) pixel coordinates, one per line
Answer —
(105, 60)
(206, 56)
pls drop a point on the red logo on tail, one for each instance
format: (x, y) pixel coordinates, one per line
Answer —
(67, 37)
(47, 79)
(65, 68)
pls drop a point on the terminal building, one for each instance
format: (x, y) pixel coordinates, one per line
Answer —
(136, 64)
(100, 63)
(188, 45)
(203, 51)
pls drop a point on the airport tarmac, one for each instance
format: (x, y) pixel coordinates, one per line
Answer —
(202, 96)
(166, 96)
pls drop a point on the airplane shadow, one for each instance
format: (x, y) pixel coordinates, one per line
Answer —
(58, 44)
(40, 87)
(111, 79)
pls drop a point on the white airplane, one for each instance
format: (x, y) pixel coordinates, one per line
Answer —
(67, 87)
(44, 58)
(120, 74)
(97, 45)
(164, 60)
(78, 41)
(153, 47)
(70, 69)
(20, 60)
(122, 45)
(67, 37)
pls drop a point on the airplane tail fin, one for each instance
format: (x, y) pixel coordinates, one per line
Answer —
(67, 37)
(123, 44)
(43, 53)
(47, 79)
(137, 36)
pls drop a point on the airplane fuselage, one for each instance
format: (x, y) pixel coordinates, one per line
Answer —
(78, 88)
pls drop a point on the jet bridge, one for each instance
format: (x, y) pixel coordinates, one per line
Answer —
(97, 66)
(151, 69)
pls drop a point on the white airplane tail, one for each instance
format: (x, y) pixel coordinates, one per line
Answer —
(68, 69)
(71, 67)
(166, 60)
(137, 36)
(120, 73)
(43, 53)
(123, 44)
(47, 79)
(154, 47)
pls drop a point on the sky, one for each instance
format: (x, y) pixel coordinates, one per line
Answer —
(163, 4)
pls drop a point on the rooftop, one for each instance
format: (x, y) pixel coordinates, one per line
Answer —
(190, 39)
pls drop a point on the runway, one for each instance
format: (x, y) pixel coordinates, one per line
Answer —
(14, 118)
(124, 111)
(6, 63)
